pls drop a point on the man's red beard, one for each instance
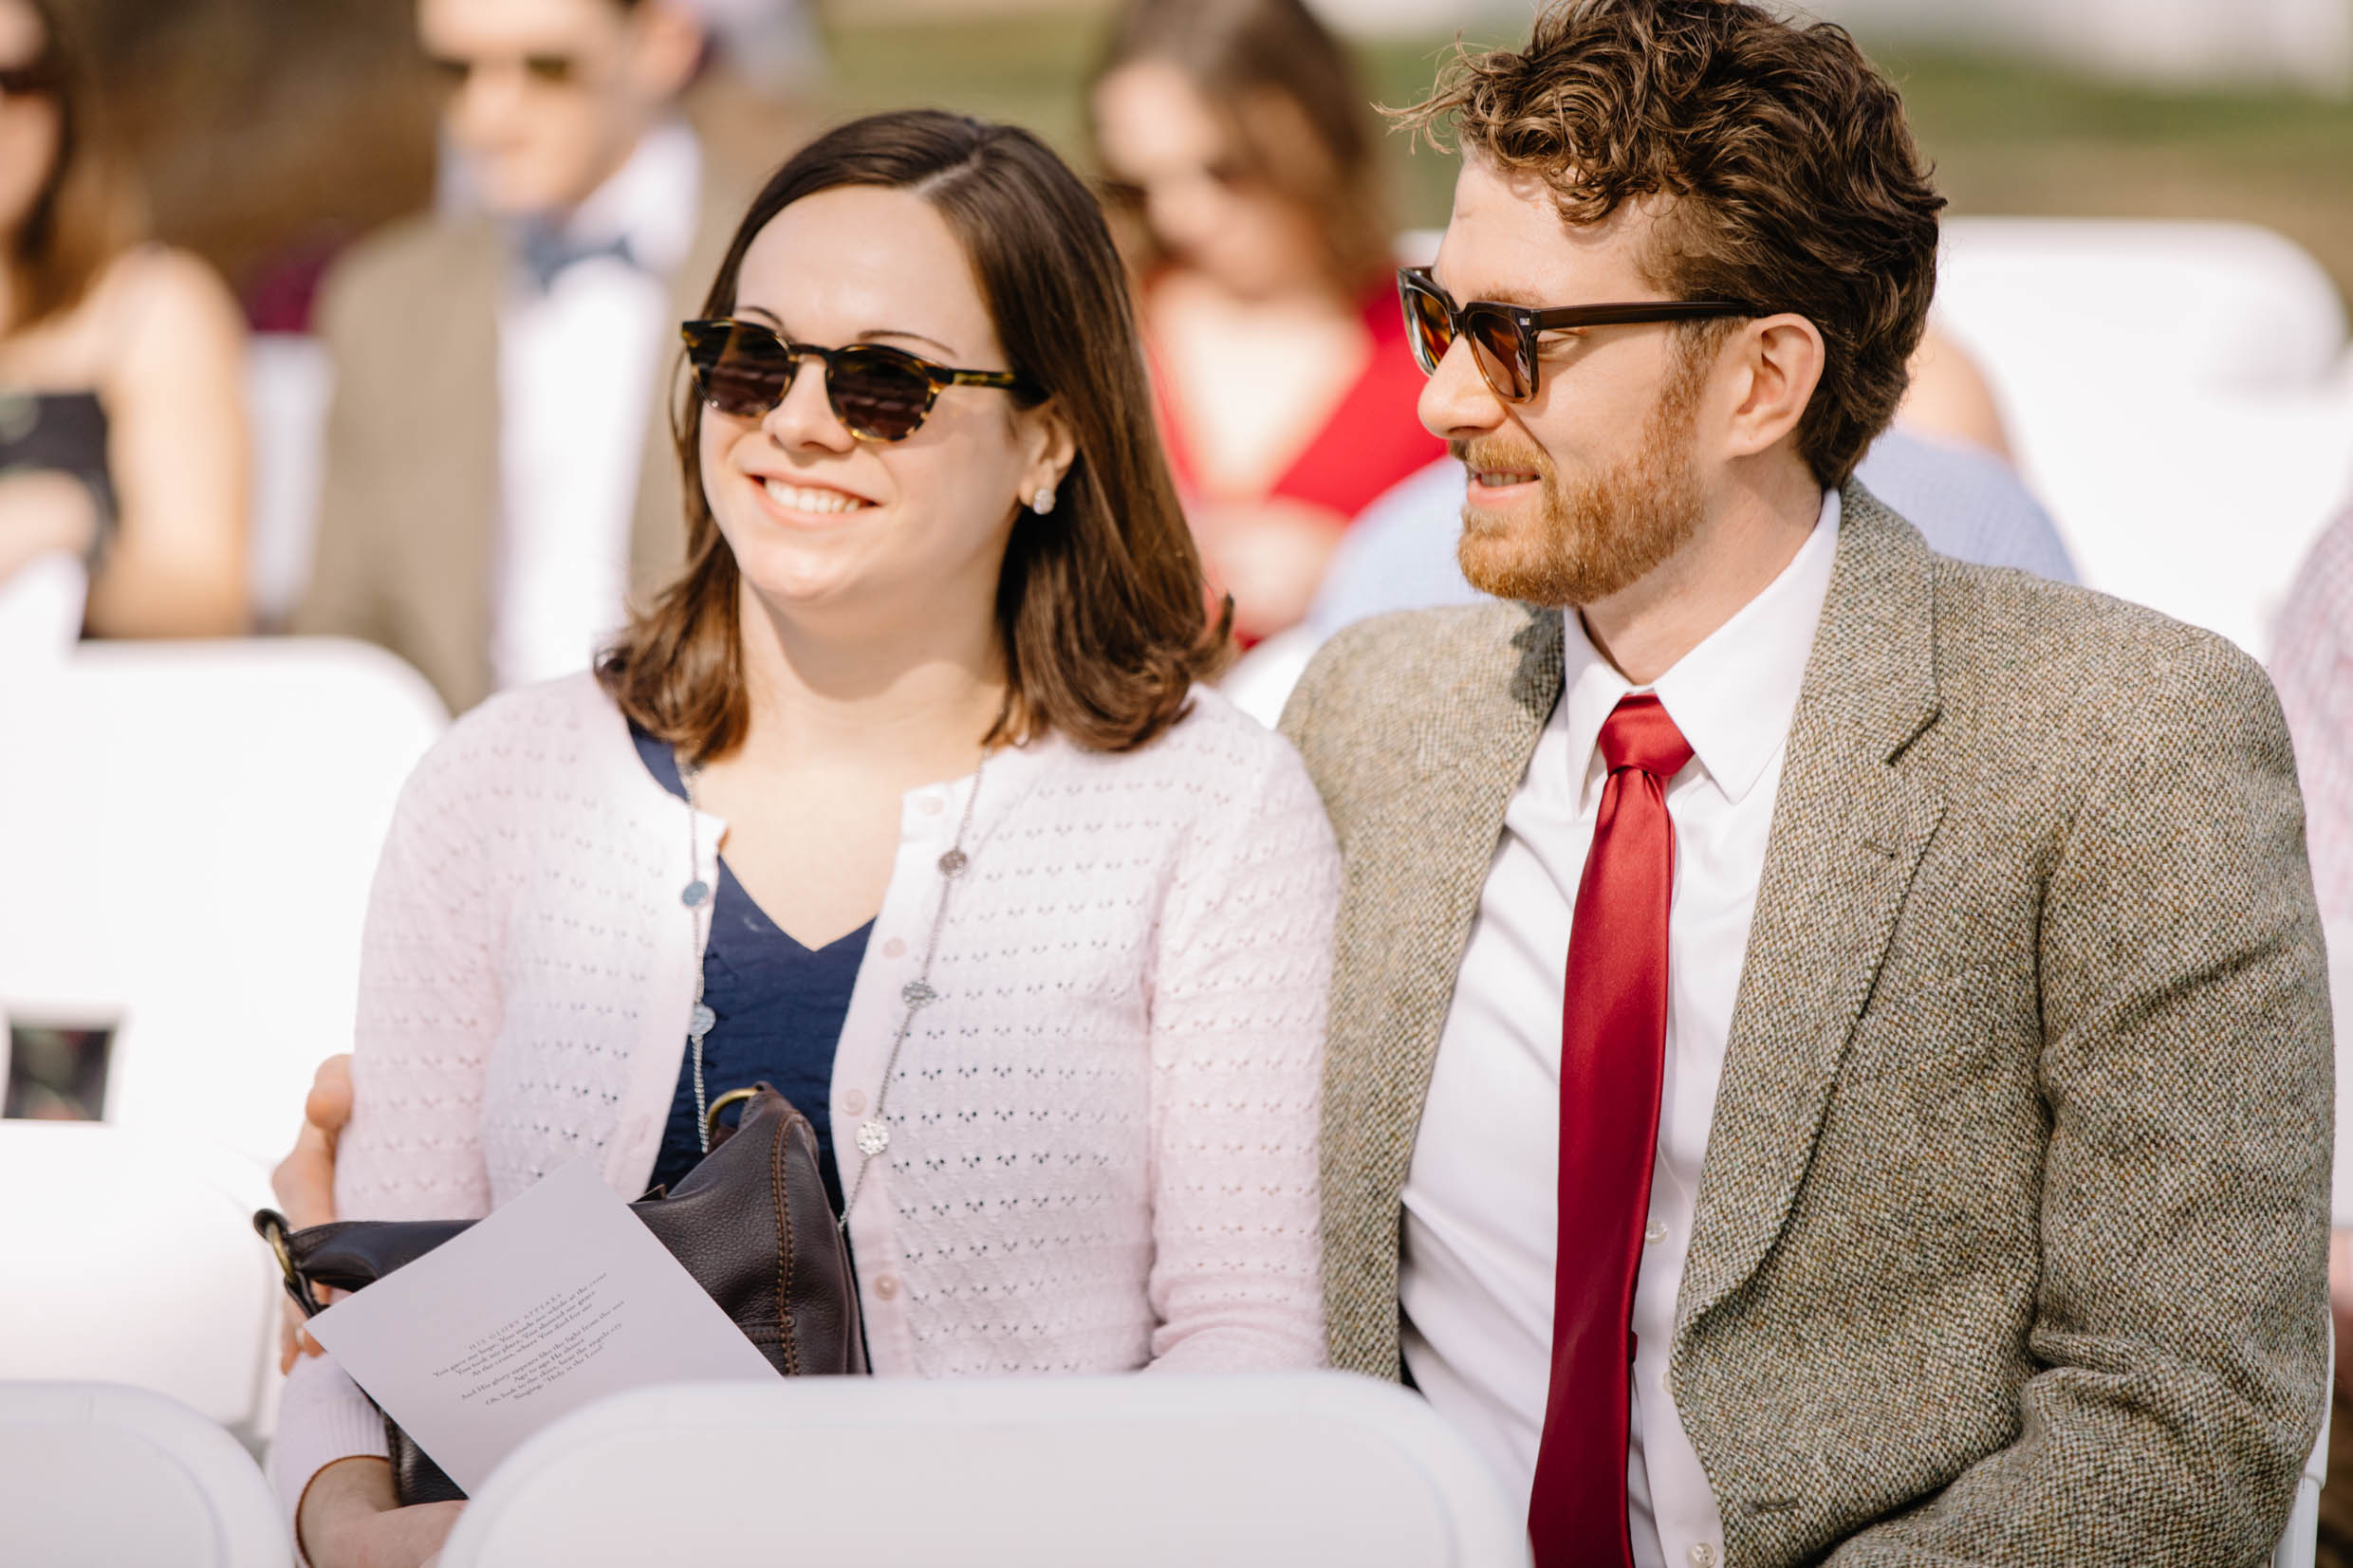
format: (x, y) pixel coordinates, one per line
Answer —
(1599, 536)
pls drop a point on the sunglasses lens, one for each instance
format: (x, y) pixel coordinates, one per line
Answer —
(742, 371)
(1495, 344)
(1427, 328)
(879, 394)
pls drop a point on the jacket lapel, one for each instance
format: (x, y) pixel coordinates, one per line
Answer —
(1414, 871)
(1849, 827)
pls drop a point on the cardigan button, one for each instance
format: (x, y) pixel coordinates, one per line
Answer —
(895, 948)
(886, 1286)
(854, 1102)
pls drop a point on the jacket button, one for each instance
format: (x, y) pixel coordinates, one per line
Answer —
(885, 1286)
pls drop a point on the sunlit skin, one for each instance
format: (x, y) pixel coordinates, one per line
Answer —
(1259, 346)
(540, 146)
(1600, 387)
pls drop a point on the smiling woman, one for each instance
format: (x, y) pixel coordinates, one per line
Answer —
(903, 798)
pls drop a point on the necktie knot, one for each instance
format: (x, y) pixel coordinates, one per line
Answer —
(1639, 734)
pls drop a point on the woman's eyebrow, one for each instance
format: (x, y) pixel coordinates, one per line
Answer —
(774, 319)
(911, 337)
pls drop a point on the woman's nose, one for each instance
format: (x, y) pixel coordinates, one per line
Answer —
(804, 416)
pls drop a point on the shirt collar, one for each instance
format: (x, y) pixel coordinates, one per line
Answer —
(1735, 695)
(650, 200)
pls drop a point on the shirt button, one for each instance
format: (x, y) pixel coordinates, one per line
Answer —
(1653, 1232)
(1703, 1556)
(854, 1102)
(885, 1287)
(895, 948)
(931, 805)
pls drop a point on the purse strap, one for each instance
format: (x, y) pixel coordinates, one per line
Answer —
(273, 1228)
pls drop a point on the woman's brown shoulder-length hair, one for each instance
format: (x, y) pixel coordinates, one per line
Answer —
(1299, 116)
(85, 213)
(1101, 605)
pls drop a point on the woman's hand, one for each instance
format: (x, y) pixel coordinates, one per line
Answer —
(350, 1518)
(304, 1185)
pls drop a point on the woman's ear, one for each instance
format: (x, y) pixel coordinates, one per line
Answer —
(1052, 448)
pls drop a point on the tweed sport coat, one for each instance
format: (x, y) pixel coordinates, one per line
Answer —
(2010, 1243)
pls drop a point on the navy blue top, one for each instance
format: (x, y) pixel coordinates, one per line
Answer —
(779, 1007)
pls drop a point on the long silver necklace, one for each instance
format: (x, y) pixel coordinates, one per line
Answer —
(873, 1133)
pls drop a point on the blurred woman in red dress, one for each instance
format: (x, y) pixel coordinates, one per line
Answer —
(1237, 140)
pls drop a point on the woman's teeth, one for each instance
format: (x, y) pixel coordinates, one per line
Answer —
(796, 498)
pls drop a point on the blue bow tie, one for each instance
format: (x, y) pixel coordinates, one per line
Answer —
(548, 251)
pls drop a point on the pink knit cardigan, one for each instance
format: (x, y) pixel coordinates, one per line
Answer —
(1102, 1151)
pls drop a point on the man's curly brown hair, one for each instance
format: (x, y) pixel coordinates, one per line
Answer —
(1780, 156)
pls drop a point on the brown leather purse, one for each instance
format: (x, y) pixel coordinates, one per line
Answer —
(750, 1223)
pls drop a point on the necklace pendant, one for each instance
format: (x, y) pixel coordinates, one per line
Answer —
(953, 862)
(695, 893)
(917, 993)
(700, 1021)
(873, 1138)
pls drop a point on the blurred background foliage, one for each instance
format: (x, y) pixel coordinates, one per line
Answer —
(270, 129)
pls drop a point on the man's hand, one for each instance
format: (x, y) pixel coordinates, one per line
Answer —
(349, 1518)
(305, 1183)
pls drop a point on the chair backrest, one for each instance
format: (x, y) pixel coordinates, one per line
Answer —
(1245, 1471)
(130, 1259)
(189, 852)
(2179, 394)
(92, 1474)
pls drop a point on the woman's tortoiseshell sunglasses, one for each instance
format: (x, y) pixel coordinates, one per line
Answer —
(1503, 337)
(882, 394)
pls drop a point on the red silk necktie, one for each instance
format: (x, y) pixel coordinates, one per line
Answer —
(1612, 1048)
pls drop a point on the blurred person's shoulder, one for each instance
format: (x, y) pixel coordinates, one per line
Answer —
(411, 265)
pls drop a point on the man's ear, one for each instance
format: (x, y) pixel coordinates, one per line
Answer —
(667, 48)
(1780, 359)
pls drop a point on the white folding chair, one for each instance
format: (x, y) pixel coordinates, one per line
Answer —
(2167, 386)
(288, 382)
(1244, 1471)
(187, 852)
(131, 1260)
(97, 1476)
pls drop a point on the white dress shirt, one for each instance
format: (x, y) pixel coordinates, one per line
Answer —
(1481, 1200)
(578, 366)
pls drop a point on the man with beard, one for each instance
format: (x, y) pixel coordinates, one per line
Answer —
(1830, 1048)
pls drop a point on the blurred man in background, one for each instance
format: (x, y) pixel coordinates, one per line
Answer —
(498, 469)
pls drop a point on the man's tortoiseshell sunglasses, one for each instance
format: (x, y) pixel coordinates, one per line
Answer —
(1503, 337)
(882, 394)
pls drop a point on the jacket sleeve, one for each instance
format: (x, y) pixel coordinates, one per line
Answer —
(429, 1012)
(2187, 1072)
(1241, 972)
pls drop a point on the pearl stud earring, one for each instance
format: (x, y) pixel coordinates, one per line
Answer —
(1043, 501)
